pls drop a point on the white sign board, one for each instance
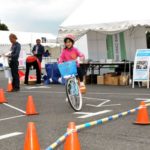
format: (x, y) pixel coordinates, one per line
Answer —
(141, 66)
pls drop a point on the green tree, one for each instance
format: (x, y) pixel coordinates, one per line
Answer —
(3, 27)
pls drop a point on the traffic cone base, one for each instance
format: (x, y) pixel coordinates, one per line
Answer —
(28, 114)
(72, 141)
(31, 138)
(9, 88)
(31, 114)
(2, 97)
(30, 108)
(139, 123)
(142, 117)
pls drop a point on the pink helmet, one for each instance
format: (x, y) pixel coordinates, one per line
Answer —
(70, 36)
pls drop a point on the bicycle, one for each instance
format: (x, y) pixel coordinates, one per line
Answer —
(68, 71)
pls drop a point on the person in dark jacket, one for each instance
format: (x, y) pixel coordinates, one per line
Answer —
(13, 62)
(38, 50)
(33, 61)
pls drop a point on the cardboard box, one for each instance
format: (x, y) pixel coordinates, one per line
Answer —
(124, 80)
(100, 80)
(107, 80)
(111, 80)
(111, 74)
(114, 80)
(30, 82)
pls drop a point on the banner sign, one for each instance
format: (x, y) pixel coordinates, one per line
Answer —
(116, 47)
(141, 66)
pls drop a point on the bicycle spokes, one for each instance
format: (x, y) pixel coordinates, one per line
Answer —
(73, 94)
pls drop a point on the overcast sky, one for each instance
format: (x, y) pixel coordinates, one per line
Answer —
(36, 15)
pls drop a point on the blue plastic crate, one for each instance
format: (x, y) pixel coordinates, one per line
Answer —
(68, 68)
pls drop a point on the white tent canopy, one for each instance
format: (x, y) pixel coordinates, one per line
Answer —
(26, 37)
(52, 45)
(107, 16)
(27, 40)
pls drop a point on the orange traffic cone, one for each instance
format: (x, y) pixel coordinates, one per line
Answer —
(2, 97)
(31, 138)
(72, 141)
(142, 117)
(30, 107)
(9, 87)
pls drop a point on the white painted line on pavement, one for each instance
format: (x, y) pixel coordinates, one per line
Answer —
(10, 135)
(9, 118)
(80, 113)
(111, 105)
(96, 98)
(43, 92)
(37, 87)
(143, 99)
(91, 114)
(131, 94)
(102, 104)
(13, 107)
(93, 93)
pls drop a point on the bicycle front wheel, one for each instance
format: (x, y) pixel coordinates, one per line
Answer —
(73, 94)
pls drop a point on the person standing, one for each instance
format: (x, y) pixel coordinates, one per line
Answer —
(33, 61)
(38, 50)
(13, 62)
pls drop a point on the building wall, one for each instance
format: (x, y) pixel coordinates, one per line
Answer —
(82, 45)
(97, 48)
(135, 39)
(25, 37)
(93, 44)
(5, 48)
(55, 52)
(96, 45)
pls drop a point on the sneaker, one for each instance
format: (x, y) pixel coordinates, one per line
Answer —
(83, 89)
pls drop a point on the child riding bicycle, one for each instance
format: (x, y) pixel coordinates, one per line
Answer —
(70, 53)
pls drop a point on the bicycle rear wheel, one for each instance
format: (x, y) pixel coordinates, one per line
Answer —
(73, 94)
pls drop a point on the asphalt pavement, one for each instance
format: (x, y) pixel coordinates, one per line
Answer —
(55, 114)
